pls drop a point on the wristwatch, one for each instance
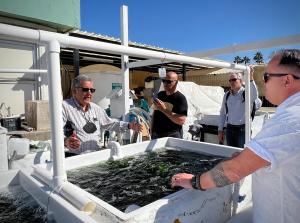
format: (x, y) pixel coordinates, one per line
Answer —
(195, 181)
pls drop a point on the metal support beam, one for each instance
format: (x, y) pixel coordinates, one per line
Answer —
(184, 72)
(76, 62)
(144, 63)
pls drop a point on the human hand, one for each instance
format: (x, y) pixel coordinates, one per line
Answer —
(182, 180)
(135, 126)
(160, 105)
(221, 137)
(72, 142)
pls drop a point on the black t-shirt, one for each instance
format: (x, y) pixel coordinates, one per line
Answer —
(161, 123)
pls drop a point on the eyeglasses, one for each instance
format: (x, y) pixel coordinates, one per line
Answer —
(233, 80)
(268, 75)
(165, 81)
(85, 89)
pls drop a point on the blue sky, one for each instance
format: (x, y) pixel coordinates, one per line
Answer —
(195, 25)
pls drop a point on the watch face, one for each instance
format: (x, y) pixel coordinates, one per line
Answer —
(89, 127)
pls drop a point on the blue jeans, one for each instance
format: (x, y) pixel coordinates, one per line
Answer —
(235, 135)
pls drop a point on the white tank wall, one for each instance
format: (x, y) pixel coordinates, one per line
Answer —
(190, 206)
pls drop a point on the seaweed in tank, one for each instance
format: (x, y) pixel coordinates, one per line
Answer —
(18, 206)
(139, 179)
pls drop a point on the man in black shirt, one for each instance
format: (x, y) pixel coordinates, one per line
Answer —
(171, 110)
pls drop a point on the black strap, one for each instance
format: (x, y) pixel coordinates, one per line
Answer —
(253, 110)
(226, 98)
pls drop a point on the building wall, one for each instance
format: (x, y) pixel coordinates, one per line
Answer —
(63, 15)
(16, 88)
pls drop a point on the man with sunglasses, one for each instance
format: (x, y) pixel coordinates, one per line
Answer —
(171, 110)
(86, 119)
(232, 113)
(273, 155)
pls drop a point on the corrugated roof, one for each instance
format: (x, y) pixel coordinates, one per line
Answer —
(224, 71)
(118, 40)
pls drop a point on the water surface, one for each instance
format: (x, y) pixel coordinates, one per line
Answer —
(139, 179)
(16, 206)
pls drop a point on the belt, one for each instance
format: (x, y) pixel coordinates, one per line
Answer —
(236, 126)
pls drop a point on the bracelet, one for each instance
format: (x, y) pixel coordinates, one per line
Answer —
(195, 181)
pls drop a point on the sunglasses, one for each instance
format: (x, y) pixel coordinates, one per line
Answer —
(165, 81)
(268, 75)
(233, 80)
(85, 89)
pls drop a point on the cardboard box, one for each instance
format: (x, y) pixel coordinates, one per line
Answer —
(37, 114)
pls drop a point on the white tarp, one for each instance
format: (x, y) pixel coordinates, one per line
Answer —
(202, 100)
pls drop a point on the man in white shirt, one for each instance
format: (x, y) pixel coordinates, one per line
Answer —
(232, 113)
(273, 156)
(87, 118)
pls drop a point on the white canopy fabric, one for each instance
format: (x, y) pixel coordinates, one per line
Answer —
(202, 100)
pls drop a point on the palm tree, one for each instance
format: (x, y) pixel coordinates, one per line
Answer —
(237, 59)
(246, 60)
(258, 58)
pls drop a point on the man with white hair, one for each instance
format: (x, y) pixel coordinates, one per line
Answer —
(232, 113)
(274, 153)
(85, 119)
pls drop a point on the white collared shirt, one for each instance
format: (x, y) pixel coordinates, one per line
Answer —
(236, 107)
(276, 189)
(73, 112)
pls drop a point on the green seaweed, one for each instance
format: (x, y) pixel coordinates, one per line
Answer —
(139, 179)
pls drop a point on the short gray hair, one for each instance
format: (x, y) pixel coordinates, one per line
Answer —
(78, 79)
(238, 75)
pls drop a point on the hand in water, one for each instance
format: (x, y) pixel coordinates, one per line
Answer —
(182, 180)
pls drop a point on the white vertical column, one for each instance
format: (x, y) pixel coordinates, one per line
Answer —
(55, 102)
(3, 150)
(247, 105)
(44, 66)
(125, 59)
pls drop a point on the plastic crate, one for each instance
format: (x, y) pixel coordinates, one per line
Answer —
(11, 124)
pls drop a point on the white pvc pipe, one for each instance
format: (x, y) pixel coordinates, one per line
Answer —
(55, 102)
(125, 59)
(67, 190)
(3, 150)
(247, 105)
(55, 98)
(22, 71)
(40, 36)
